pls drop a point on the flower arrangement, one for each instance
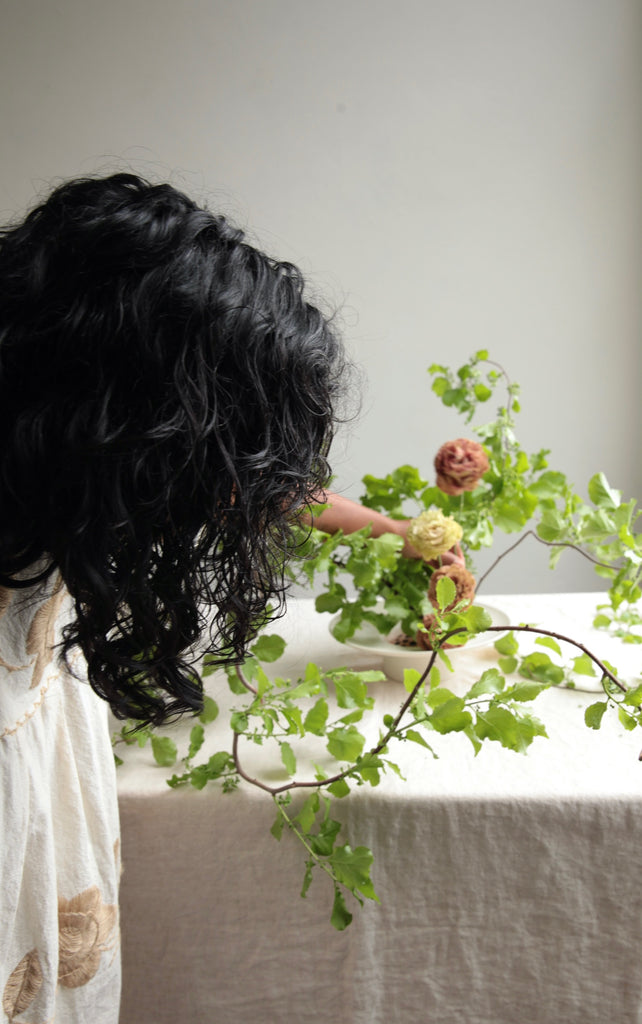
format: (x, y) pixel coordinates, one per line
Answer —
(482, 487)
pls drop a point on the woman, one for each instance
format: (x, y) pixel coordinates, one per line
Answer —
(167, 401)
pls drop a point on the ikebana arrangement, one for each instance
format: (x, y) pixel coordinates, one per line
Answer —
(483, 486)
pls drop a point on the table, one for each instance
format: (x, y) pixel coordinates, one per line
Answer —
(509, 883)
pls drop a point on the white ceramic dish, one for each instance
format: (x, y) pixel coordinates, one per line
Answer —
(397, 658)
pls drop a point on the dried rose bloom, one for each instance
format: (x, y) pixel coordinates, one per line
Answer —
(460, 465)
(464, 583)
(432, 533)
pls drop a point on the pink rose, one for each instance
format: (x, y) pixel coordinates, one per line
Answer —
(460, 465)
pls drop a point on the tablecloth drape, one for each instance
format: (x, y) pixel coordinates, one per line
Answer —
(509, 883)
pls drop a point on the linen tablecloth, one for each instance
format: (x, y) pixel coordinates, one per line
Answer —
(509, 883)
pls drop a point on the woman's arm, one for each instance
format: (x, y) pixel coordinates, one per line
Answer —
(344, 514)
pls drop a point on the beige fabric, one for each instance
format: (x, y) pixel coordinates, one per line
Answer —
(60, 857)
(509, 884)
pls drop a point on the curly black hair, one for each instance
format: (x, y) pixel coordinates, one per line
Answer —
(167, 400)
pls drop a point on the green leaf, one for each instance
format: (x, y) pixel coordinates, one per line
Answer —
(450, 716)
(164, 751)
(268, 647)
(238, 721)
(340, 917)
(410, 679)
(294, 717)
(348, 622)
(323, 843)
(456, 397)
(340, 788)
(288, 758)
(386, 549)
(507, 665)
(626, 719)
(365, 568)
(440, 695)
(331, 602)
(316, 718)
(218, 763)
(352, 868)
(509, 517)
(307, 878)
(482, 393)
(475, 619)
(549, 485)
(540, 667)
(351, 691)
(491, 681)
(440, 386)
(345, 744)
(551, 525)
(416, 737)
(601, 621)
(499, 724)
(601, 493)
(525, 691)
(209, 712)
(446, 592)
(633, 697)
(583, 666)
(233, 680)
(196, 738)
(594, 714)
(548, 641)
(599, 525)
(507, 644)
(307, 815)
(277, 826)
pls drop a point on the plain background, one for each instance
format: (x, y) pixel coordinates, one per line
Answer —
(449, 174)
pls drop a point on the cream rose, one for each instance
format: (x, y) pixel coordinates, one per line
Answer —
(432, 533)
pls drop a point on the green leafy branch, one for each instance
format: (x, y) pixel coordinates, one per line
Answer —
(625, 702)
(367, 579)
(282, 712)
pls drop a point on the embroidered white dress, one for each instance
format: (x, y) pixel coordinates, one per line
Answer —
(59, 838)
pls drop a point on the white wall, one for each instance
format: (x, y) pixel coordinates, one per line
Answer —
(454, 174)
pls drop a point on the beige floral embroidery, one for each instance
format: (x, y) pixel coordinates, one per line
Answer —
(5, 599)
(30, 713)
(23, 985)
(87, 929)
(118, 861)
(6, 596)
(40, 638)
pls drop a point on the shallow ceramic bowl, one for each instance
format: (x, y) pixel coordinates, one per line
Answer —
(397, 658)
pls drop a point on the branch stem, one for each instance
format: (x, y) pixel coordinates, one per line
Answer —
(394, 726)
(548, 544)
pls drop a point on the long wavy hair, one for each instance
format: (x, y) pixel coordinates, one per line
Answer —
(167, 400)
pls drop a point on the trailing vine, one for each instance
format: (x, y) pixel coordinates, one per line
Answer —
(367, 579)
